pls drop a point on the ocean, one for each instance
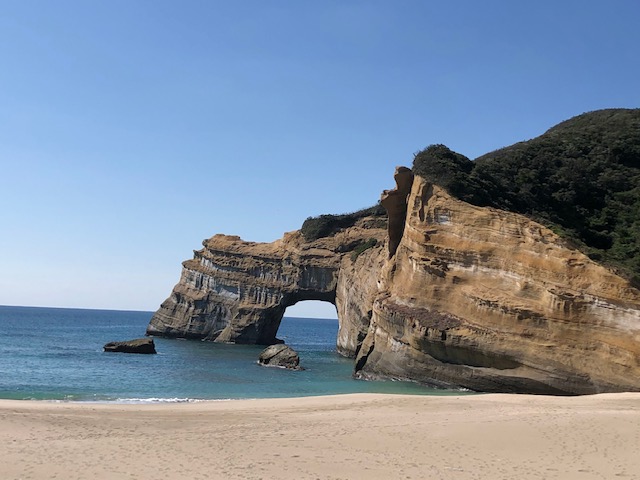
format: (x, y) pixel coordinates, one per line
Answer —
(56, 354)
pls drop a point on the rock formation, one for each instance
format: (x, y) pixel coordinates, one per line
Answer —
(139, 345)
(280, 356)
(448, 294)
(469, 297)
(492, 301)
(236, 291)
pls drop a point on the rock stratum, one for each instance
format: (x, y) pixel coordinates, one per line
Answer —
(448, 294)
(236, 291)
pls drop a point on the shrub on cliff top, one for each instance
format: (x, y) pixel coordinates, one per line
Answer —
(322, 226)
(452, 171)
(582, 178)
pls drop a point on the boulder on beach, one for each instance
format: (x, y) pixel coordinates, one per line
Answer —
(138, 345)
(280, 356)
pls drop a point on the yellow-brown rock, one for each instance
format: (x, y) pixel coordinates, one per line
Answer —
(452, 295)
(237, 292)
(492, 301)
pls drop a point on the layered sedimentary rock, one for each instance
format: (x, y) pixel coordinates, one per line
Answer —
(452, 295)
(492, 301)
(237, 291)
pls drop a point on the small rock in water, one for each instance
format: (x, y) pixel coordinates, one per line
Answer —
(139, 345)
(280, 356)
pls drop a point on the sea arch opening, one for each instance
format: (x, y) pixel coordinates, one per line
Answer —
(323, 309)
(309, 324)
(300, 309)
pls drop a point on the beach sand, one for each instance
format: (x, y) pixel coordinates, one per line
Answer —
(360, 436)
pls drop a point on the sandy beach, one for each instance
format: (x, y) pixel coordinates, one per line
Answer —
(361, 436)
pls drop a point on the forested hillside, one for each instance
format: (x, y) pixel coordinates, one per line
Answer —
(581, 178)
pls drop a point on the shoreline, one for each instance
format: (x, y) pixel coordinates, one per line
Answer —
(188, 400)
(347, 436)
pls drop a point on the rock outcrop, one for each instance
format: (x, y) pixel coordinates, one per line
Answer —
(280, 355)
(492, 301)
(453, 295)
(139, 345)
(237, 292)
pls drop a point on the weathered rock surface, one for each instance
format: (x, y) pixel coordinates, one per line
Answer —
(236, 291)
(139, 345)
(452, 295)
(280, 355)
(491, 301)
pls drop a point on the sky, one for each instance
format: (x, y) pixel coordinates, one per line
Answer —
(131, 130)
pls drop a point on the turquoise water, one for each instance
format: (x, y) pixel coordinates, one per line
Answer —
(56, 354)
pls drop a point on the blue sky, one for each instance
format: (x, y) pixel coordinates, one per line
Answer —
(132, 130)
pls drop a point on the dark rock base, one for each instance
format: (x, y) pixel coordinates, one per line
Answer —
(140, 345)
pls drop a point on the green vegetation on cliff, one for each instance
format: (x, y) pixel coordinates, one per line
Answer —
(582, 178)
(362, 247)
(314, 228)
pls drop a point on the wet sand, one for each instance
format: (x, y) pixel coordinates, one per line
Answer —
(360, 436)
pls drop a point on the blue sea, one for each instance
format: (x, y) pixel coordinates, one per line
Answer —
(56, 354)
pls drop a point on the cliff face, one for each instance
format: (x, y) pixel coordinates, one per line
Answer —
(491, 301)
(451, 295)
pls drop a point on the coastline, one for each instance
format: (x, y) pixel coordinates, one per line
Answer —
(331, 437)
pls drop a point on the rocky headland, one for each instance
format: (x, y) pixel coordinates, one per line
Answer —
(459, 285)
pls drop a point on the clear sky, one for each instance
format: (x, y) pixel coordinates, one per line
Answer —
(130, 130)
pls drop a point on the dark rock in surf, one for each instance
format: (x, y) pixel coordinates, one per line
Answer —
(139, 345)
(280, 356)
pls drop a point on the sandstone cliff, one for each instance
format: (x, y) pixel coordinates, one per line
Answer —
(492, 301)
(459, 286)
(451, 295)
(237, 291)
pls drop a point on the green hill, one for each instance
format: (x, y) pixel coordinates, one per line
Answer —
(581, 178)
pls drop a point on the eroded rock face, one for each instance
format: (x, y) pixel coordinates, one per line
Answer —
(237, 291)
(491, 301)
(453, 295)
(395, 202)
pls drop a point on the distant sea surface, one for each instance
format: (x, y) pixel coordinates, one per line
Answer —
(56, 354)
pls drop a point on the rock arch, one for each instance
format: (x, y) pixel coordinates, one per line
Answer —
(453, 295)
(236, 291)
